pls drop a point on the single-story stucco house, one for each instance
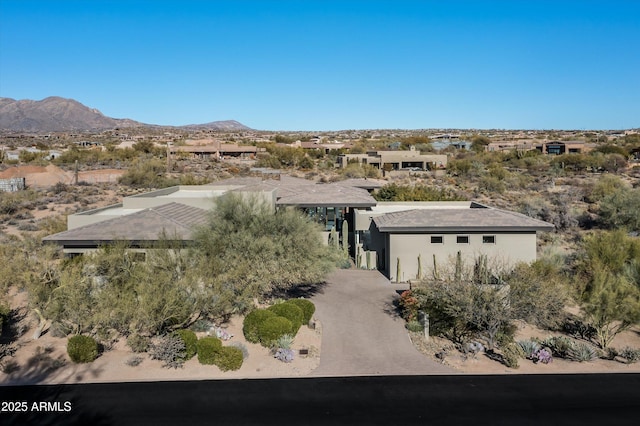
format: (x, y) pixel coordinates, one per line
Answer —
(383, 233)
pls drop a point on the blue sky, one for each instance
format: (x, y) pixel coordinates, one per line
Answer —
(331, 65)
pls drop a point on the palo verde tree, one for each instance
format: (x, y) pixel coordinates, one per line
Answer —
(608, 283)
(247, 251)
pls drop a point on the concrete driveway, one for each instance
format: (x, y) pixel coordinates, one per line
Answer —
(361, 331)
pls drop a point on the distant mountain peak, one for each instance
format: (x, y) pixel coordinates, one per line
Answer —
(57, 114)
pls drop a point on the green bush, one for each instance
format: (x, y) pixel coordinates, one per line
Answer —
(138, 343)
(291, 312)
(229, 358)
(308, 308)
(414, 326)
(82, 349)
(272, 329)
(190, 342)
(208, 348)
(251, 323)
(511, 355)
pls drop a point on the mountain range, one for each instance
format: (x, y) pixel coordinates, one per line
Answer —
(56, 114)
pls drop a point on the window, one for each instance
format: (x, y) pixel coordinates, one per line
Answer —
(462, 239)
(488, 239)
(437, 239)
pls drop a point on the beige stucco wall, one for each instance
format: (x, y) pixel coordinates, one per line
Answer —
(508, 250)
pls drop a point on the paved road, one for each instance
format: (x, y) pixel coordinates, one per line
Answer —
(602, 399)
(361, 332)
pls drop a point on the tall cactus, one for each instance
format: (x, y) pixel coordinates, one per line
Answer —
(358, 259)
(334, 237)
(398, 270)
(419, 274)
(368, 259)
(458, 273)
(436, 275)
(345, 237)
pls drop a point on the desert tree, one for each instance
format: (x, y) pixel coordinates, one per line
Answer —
(248, 251)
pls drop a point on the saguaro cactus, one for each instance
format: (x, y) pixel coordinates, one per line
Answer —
(398, 270)
(419, 274)
(368, 259)
(436, 276)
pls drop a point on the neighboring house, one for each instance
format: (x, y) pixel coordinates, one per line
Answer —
(218, 150)
(396, 160)
(558, 148)
(439, 230)
(378, 233)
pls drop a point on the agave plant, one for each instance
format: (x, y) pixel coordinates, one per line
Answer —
(284, 342)
(582, 352)
(529, 347)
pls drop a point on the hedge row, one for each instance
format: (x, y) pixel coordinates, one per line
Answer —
(266, 326)
(211, 352)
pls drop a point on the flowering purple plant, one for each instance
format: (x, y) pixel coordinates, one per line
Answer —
(543, 356)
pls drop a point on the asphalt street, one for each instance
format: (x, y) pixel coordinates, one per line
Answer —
(612, 399)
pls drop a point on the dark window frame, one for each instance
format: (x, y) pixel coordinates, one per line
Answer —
(441, 237)
(462, 239)
(488, 239)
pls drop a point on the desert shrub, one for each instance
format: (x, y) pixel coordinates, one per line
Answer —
(581, 352)
(59, 329)
(308, 308)
(229, 358)
(408, 305)
(208, 348)
(190, 342)
(559, 345)
(251, 323)
(284, 342)
(610, 353)
(529, 347)
(169, 349)
(284, 355)
(414, 326)
(134, 361)
(511, 355)
(202, 325)
(242, 347)
(578, 329)
(492, 184)
(138, 343)
(290, 312)
(272, 329)
(82, 349)
(630, 355)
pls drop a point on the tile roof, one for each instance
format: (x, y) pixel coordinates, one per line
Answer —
(459, 220)
(328, 195)
(174, 219)
(305, 193)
